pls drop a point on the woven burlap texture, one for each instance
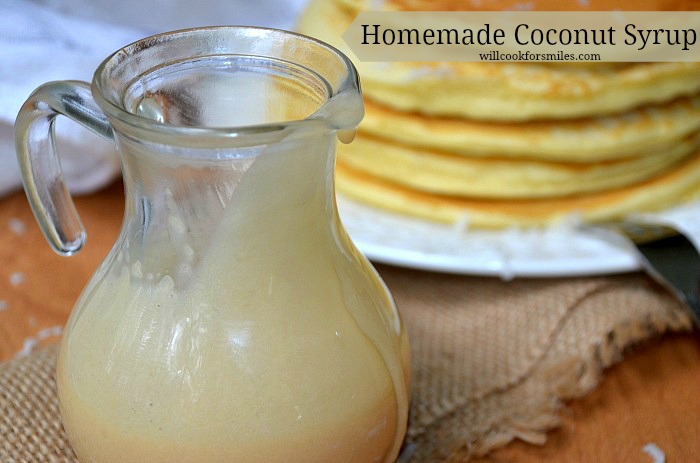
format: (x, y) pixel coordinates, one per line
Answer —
(492, 360)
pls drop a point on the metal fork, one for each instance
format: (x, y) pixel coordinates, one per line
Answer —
(665, 253)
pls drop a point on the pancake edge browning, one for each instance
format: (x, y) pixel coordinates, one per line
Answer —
(676, 186)
(645, 131)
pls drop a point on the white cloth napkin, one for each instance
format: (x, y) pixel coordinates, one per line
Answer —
(45, 40)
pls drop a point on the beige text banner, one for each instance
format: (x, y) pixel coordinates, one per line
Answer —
(525, 36)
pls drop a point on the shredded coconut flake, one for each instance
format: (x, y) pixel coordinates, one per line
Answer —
(31, 342)
(654, 452)
(462, 224)
(16, 278)
(17, 226)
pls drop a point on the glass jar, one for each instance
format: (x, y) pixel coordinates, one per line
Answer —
(233, 320)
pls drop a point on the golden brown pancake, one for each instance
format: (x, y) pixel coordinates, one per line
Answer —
(457, 175)
(518, 144)
(649, 130)
(679, 184)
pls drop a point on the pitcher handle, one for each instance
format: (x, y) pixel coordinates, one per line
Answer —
(40, 165)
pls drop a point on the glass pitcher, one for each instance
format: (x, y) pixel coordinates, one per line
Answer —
(233, 320)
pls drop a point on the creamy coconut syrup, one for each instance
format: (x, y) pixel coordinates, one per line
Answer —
(277, 342)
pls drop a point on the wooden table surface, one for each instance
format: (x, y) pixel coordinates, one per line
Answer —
(653, 396)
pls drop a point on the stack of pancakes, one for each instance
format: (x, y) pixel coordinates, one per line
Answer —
(517, 144)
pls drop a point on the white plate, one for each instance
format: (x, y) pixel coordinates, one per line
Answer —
(559, 251)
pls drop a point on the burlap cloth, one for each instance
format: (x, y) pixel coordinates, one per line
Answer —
(492, 360)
